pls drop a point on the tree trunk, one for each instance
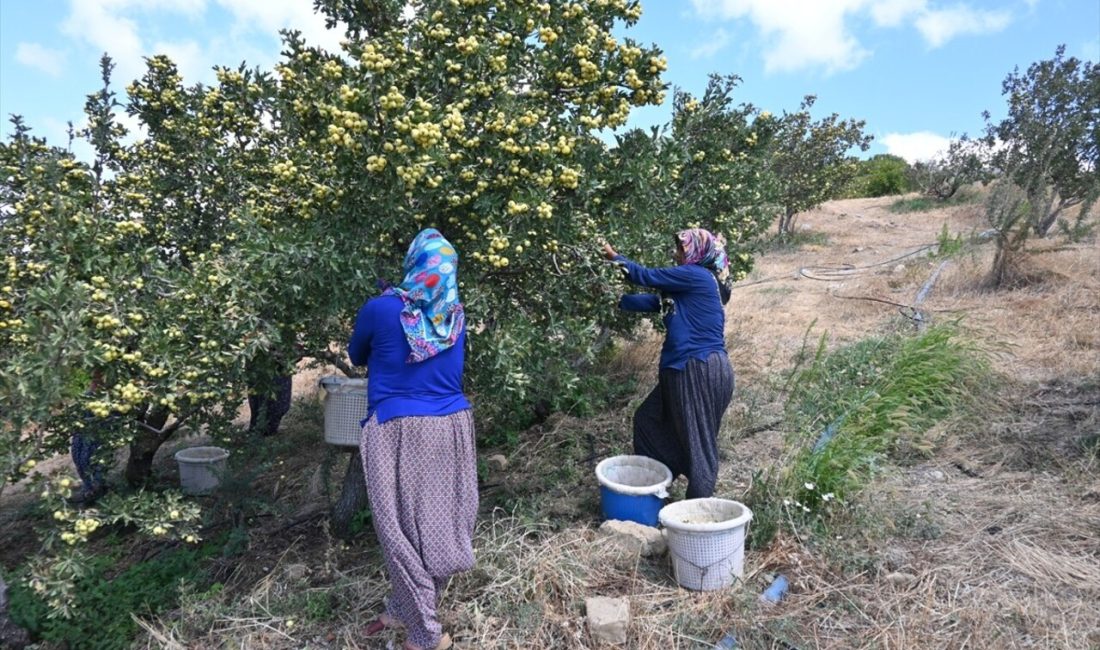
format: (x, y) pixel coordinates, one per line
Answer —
(1000, 267)
(139, 466)
(786, 222)
(352, 500)
(1053, 212)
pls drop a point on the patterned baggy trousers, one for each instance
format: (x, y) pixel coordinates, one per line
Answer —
(421, 475)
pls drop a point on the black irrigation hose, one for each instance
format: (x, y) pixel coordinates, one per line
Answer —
(843, 270)
(827, 273)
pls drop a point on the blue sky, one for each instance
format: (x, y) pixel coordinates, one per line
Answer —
(916, 70)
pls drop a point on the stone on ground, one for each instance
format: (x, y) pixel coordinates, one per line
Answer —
(635, 537)
(608, 619)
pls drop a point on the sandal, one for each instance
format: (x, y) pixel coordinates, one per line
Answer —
(444, 644)
(382, 623)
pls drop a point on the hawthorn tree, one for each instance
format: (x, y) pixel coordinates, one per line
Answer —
(1049, 143)
(1046, 153)
(810, 159)
(247, 223)
(966, 161)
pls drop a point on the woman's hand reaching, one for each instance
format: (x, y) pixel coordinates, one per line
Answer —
(609, 252)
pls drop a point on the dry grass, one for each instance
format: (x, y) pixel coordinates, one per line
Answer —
(990, 543)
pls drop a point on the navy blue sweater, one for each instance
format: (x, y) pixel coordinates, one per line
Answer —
(693, 315)
(398, 388)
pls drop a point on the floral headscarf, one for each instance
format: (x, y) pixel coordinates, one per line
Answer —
(702, 247)
(433, 317)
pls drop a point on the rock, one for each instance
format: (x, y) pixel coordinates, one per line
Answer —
(295, 572)
(316, 487)
(936, 475)
(635, 537)
(899, 268)
(498, 461)
(608, 619)
(901, 579)
(894, 558)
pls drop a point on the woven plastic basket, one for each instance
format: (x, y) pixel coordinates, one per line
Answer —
(345, 407)
(706, 541)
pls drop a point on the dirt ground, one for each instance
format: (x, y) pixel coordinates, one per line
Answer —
(1008, 553)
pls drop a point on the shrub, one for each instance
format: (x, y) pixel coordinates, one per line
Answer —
(881, 175)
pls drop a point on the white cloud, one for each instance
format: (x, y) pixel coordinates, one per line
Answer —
(798, 33)
(189, 57)
(120, 28)
(921, 145)
(100, 24)
(892, 13)
(818, 34)
(272, 15)
(941, 25)
(713, 46)
(39, 57)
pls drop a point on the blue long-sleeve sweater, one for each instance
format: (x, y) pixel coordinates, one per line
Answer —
(694, 318)
(398, 388)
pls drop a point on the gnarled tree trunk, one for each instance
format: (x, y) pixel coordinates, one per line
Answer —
(353, 497)
(139, 466)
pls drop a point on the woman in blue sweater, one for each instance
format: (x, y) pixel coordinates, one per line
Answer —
(418, 437)
(678, 422)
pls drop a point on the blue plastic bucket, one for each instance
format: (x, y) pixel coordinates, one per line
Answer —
(633, 488)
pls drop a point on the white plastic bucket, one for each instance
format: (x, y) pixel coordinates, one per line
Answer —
(201, 468)
(345, 408)
(706, 541)
(633, 488)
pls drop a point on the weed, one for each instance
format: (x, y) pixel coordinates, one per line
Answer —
(855, 408)
(793, 241)
(948, 246)
(102, 618)
(928, 203)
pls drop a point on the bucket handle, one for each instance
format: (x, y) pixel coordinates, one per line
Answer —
(702, 569)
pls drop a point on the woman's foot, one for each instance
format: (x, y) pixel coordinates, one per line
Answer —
(444, 644)
(383, 622)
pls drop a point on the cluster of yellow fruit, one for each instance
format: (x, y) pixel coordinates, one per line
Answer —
(427, 134)
(392, 100)
(106, 322)
(376, 163)
(373, 60)
(467, 45)
(514, 207)
(569, 178)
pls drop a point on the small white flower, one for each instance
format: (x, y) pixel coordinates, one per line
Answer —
(805, 509)
(828, 496)
(809, 486)
(786, 502)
